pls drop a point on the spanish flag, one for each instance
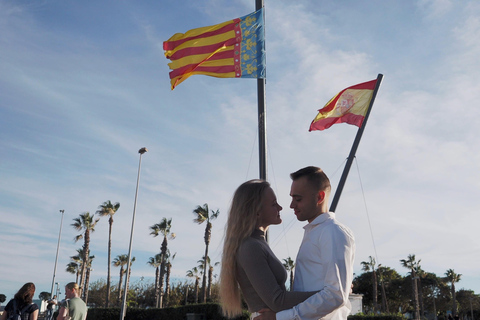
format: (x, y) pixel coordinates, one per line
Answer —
(232, 49)
(349, 106)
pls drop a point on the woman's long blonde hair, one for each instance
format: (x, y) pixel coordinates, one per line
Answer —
(242, 217)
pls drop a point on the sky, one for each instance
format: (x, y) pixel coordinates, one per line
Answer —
(85, 85)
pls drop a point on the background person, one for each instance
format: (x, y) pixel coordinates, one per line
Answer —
(22, 303)
(51, 303)
(74, 307)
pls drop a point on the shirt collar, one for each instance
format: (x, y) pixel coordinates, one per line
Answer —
(320, 219)
(258, 234)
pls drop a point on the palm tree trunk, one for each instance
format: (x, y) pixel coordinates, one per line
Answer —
(167, 284)
(384, 299)
(375, 291)
(196, 289)
(162, 271)
(157, 278)
(87, 282)
(415, 295)
(454, 307)
(420, 297)
(119, 298)
(86, 250)
(109, 263)
(208, 233)
(209, 287)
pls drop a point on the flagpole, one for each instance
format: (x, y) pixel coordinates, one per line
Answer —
(262, 126)
(356, 142)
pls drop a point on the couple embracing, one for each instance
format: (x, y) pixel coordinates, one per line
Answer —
(324, 264)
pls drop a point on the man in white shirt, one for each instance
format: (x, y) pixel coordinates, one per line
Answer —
(326, 256)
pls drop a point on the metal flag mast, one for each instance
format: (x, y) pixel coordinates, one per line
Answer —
(262, 127)
(356, 142)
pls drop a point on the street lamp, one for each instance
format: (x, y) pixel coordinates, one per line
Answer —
(57, 293)
(56, 258)
(124, 302)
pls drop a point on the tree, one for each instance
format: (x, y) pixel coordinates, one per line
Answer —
(289, 265)
(86, 224)
(156, 262)
(120, 261)
(210, 278)
(384, 294)
(413, 266)
(108, 209)
(194, 273)
(73, 268)
(168, 266)
(87, 277)
(163, 228)
(203, 215)
(367, 266)
(453, 278)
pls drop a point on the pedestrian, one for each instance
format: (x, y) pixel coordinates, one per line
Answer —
(51, 303)
(22, 304)
(74, 308)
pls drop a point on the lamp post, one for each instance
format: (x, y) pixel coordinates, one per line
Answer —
(56, 258)
(124, 301)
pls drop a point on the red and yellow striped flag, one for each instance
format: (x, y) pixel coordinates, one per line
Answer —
(232, 49)
(349, 106)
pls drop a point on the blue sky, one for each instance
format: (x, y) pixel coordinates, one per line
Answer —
(83, 86)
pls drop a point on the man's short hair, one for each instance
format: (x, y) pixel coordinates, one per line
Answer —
(315, 176)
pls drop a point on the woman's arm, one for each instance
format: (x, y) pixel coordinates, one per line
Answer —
(34, 315)
(253, 259)
(62, 313)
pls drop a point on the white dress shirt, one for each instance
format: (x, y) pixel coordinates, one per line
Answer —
(324, 262)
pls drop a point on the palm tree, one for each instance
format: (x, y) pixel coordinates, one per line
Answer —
(367, 266)
(156, 262)
(194, 273)
(413, 266)
(120, 261)
(86, 224)
(210, 278)
(163, 228)
(73, 268)
(108, 209)
(453, 277)
(289, 265)
(203, 215)
(168, 266)
(384, 295)
(87, 276)
(127, 284)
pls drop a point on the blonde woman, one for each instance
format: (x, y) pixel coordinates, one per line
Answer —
(74, 307)
(249, 266)
(22, 304)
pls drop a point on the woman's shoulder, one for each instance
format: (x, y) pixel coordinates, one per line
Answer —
(32, 307)
(9, 305)
(251, 245)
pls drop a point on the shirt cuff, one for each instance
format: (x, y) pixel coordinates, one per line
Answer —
(288, 314)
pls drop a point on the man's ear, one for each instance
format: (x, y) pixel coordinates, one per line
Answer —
(320, 197)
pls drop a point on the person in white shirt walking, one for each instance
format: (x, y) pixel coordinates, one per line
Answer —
(326, 256)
